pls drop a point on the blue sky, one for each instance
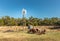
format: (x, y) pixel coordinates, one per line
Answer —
(35, 8)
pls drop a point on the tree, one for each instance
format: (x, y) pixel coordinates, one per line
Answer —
(10, 21)
(1, 22)
(6, 20)
(45, 21)
(53, 20)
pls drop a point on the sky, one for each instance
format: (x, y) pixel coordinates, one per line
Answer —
(35, 8)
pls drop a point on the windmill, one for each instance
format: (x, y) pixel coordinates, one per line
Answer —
(24, 11)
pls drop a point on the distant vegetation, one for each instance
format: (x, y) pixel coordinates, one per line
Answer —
(10, 21)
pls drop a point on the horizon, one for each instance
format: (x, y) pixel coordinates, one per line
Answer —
(35, 8)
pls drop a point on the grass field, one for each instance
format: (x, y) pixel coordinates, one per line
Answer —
(19, 35)
(24, 36)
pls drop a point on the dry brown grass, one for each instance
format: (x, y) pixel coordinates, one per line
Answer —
(14, 28)
(20, 35)
(20, 28)
(23, 36)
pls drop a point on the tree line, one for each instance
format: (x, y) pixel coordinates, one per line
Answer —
(10, 21)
